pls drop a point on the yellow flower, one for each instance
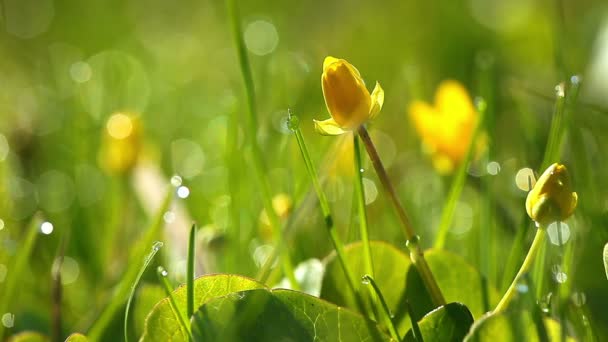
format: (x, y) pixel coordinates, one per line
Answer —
(282, 205)
(447, 126)
(121, 143)
(552, 198)
(348, 101)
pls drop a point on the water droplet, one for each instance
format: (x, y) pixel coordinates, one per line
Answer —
(365, 280)
(176, 181)
(46, 228)
(293, 123)
(579, 298)
(161, 271)
(413, 241)
(157, 246)
(8, 320)
(493, 168)
(559, 233)
(575, 79)
(183, 192)
(561, 277)
(362, 170)
(169, 217)
(559, 90)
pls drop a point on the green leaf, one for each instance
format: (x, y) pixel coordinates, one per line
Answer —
(513, 326)
(76, 337)
(28, 336)
(390, 266)
(458, 281)
(162, 323)
(147, 297)
(606, 259)
(450, 322)
(279, 315)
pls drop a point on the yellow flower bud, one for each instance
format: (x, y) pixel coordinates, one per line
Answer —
(348, 101)
(282, 205)
(552, 198)
(121, 143)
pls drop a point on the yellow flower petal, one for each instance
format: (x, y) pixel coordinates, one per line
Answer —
(552, 198)
(453, 98)
(347, 99)
(328, 127)
(377, 98)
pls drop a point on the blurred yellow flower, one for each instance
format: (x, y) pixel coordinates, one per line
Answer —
(446, 128)
(348, 101)
(282, 205)
(552, 198)
(121, 143)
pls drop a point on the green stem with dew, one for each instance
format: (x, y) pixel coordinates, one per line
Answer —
(416, 253)
(162, 277)
(360, 195)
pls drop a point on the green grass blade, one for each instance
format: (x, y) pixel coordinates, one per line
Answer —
(162, 277)
(19, 264)
(190, 274)
(121, 291)
(155, 248)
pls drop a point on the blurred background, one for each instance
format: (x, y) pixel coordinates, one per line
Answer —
(105, 106)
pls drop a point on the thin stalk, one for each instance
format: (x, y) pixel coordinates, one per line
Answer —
(19, 265)
(162, 277)
(415, 327)
(388, 317)
(190, 271)
(459, 180)
(360, 195)
(538, 241)
(259, 167)
(329, 222)
(121, 292)
(416, 253)
(155, 248)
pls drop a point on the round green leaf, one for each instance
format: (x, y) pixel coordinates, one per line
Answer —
(511, 326)
(390, 268)
(76, 337)
(162, 323)
(458, 281)
(279, 315)
(450, 322)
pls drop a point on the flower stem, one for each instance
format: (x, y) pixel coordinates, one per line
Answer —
(329, 222)
(360, 194)
(416, 253)
(539, 238)
(388, 321)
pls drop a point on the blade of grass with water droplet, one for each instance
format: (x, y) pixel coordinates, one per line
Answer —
(121, 291)
(155, 248)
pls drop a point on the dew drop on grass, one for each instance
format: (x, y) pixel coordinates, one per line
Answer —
(522, 288)
(183, 192)
(176, 181)
(162, 271)
(561, 277)
(157, 246)
(365, 280)
(46, 228)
